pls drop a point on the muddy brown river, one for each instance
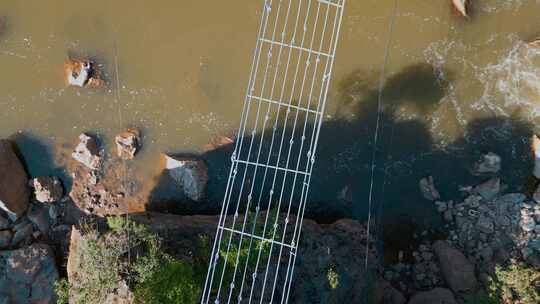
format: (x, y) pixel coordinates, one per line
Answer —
(454, 88)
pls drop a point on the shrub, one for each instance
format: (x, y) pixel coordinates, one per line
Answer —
(333, 278)
(61, 288)
(128, 254)
(515, 284)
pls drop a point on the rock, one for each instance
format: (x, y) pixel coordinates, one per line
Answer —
(441, 206)
(490, 163)
(39, 216)
(535, 145)
(128, 143)
(527, 224)
(535, 43)
(427, 187)
(48, 189)
(457, 271)
(23, 232)
(485, 225)
(4, 223)
(511, 198)
(434, 296)
(536, 195)
(447, 215)
(82, 73)
(14, 192)
(87, 152)
(489, 189)
(28, 275)
(190, 173)
(384, 293)
(5, 238)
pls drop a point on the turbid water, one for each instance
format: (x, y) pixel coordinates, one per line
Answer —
(454, 88)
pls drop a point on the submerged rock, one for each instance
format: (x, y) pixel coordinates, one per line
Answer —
(457, 271)
(14, 192)
(128, 143)
(47, 189)
(189, 173)
(490, 163)
(28, 275)
(434, 296)
(87, 152)
(427, 187)
(461, 7)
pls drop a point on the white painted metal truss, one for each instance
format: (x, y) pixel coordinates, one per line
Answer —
(256, 242)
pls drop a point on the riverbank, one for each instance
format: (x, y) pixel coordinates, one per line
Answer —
(487, 228)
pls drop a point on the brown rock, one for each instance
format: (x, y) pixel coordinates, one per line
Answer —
(87, 152)
(434, 296)
(457, 271)
(47, 189)
(14, 192)
(128, 143)
(82, 73)
(462, 7)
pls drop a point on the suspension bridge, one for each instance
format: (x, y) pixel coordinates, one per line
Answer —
(256, 242)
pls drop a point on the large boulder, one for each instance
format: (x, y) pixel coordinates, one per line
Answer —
(14, 192)
(28, 275)
(87, 152)
(434, 296)
(190, 173)
(457, 271)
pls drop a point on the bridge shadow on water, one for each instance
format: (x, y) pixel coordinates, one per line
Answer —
(406, 153)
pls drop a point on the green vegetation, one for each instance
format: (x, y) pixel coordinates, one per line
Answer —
(128, 255)
(333, 278)
(515, 284)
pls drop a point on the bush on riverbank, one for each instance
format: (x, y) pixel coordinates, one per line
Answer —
(129, 257)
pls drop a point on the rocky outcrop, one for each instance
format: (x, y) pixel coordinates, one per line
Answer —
(434, 296)
(340, 245)
(87, 152)
(427, 187)
(191, 174)
(47, 189)
(457, 271)
(27, 275)
(128, 143)
(14, 192)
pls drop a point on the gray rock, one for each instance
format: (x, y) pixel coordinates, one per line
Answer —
(457, 271)
(387, 294)
(14, 192)
(490, 163)
(427, 187)
(21, 234)
(527, 224)
(87, 152)
(441, 206)
(48, 189)
(190, 173)
(5, 238)
(4, 223)
(28, 275)
(447, 215)
(489, 189)
(485, 225)
(39, 216)
(434, 296)
(128, 143)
